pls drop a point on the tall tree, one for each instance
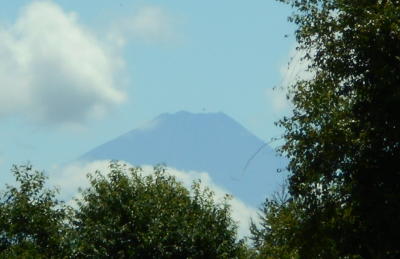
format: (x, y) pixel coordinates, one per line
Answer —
(32, 220)
(343, 139)
(125, 214)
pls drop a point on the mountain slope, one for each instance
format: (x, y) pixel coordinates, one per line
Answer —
(209, 142)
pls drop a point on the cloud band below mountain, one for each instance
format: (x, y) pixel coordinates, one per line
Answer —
(73, 176)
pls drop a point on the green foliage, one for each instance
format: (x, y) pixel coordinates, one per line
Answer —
(127, 215)
(245, 250)
(343, 139)
(279, 217)
(123, 214)
(31, 218)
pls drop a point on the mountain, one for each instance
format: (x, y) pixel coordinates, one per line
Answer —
(205, 142)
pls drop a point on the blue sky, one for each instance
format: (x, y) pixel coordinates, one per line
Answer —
(74, 74)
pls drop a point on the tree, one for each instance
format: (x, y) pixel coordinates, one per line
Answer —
(343, 139)
(32, 220)
(125, 214)
(279, 216)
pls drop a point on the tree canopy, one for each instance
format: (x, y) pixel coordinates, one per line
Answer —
(127, 215)
(32, 220)
(343, 138)
(122, 214)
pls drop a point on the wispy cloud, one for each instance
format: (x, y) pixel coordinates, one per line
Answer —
(277, 100)
(73, 176)
(152, 24)
(294, 70)
(53, 70)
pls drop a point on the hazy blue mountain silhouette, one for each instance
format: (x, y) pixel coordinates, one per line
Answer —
(210, 142)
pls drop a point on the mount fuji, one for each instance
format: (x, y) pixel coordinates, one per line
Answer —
(205, 142)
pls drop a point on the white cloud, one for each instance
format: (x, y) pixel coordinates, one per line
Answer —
(148, 23)
(53, 70)
(73, 176)
(294, 70)
(277, 100)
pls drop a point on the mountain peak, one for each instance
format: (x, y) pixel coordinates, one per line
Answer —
(205, 142)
